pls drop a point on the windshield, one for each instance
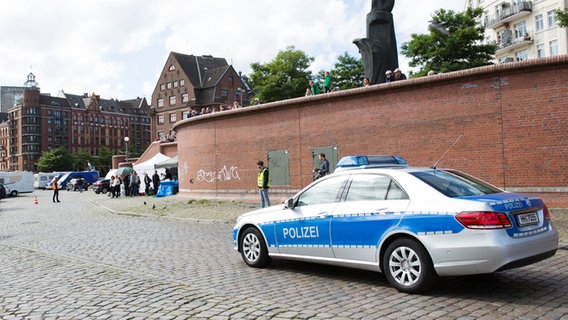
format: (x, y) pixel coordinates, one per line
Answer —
(455, 184)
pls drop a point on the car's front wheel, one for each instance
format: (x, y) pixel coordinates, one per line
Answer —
(408, 267)
(253, 248)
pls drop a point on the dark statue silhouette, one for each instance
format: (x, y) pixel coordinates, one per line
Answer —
(378, 51)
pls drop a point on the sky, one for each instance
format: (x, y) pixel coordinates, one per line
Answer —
(118, 48)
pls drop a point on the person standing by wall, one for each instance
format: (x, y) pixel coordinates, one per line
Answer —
(314, 87)
(134, 184)
(116, 187)
(398, 75)
(327, 82)
(55, 188)
(324, 167)
(263, 183)
(156, 181)
(147, 181)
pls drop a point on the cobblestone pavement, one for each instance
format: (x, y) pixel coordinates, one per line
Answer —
(92, 257)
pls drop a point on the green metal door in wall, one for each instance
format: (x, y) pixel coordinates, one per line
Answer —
(279, 167)
(331, 154)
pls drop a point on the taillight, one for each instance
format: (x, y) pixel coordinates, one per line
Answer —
(546, 213)
(484, 220)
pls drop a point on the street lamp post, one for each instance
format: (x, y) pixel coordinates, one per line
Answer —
(126, 139)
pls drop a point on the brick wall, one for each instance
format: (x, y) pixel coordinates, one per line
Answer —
(510, 123)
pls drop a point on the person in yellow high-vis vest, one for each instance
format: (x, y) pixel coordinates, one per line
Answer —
(263, 183)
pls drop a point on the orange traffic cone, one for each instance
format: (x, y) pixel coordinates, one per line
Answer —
(35, 200)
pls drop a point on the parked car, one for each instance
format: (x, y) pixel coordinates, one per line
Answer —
(412, 224)
(10, 193)
(101, 186)
(3, 191)
(73, 184)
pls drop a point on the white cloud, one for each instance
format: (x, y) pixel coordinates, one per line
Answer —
(118, 48)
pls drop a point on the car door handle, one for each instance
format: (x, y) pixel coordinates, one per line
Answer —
(324, 214)
(381, 211)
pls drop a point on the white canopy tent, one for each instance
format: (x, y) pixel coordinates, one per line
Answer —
(148, 167)
(170, 163)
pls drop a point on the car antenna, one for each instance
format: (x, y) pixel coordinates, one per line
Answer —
(450, 148)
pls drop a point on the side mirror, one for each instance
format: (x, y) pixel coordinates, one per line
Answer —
(290, 203)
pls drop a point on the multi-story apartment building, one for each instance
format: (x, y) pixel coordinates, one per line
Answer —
(523, 29)
(40, 122)
(189, 82)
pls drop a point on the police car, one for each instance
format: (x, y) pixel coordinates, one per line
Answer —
(413, 224)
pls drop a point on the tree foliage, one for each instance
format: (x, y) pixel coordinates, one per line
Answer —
(461, 49)
(284, 77)
(58, 159)
(347, 72)
(562, 17)
(81, 160)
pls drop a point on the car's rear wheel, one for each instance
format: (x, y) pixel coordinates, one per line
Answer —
(408, 266)
(104, 190)
(253, 248)
(14, 193)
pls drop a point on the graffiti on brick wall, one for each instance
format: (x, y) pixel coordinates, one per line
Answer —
(224, 174)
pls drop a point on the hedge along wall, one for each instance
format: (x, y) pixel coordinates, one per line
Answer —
(510, 122)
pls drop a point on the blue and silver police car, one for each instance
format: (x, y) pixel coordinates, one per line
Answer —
(413, 224)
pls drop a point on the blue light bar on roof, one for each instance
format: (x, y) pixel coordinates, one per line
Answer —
(353, 161)
(360, 161)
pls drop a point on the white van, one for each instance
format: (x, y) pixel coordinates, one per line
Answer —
(43, 178)
(18, 181)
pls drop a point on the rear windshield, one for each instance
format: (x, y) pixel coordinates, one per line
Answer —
(455, 184)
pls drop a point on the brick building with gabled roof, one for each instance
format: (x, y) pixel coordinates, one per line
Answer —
(40, 122)
(189, 82)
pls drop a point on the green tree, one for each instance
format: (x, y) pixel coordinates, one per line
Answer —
(562, 17)
(284, 77)
(348, 72)
(105, 157)
(81, 160)
(57, 159)
(461, 49)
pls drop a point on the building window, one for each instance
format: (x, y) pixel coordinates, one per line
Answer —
(172, 68)
(169, 85)
(182, 82)
(185, 114)
(522, 55)
(539, 22)
(185, 97)
(520, 29)
(160, 103)
(553, 48)
(163, 87)
(551, 19)
(540, 50)
(175, 84)
(173, 117)
(161, 119)
(224, 93)
(172, 100)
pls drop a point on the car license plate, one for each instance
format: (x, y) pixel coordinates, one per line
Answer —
(527, 219)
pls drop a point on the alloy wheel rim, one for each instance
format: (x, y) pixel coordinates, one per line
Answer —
(251, 247)
(405, 266)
